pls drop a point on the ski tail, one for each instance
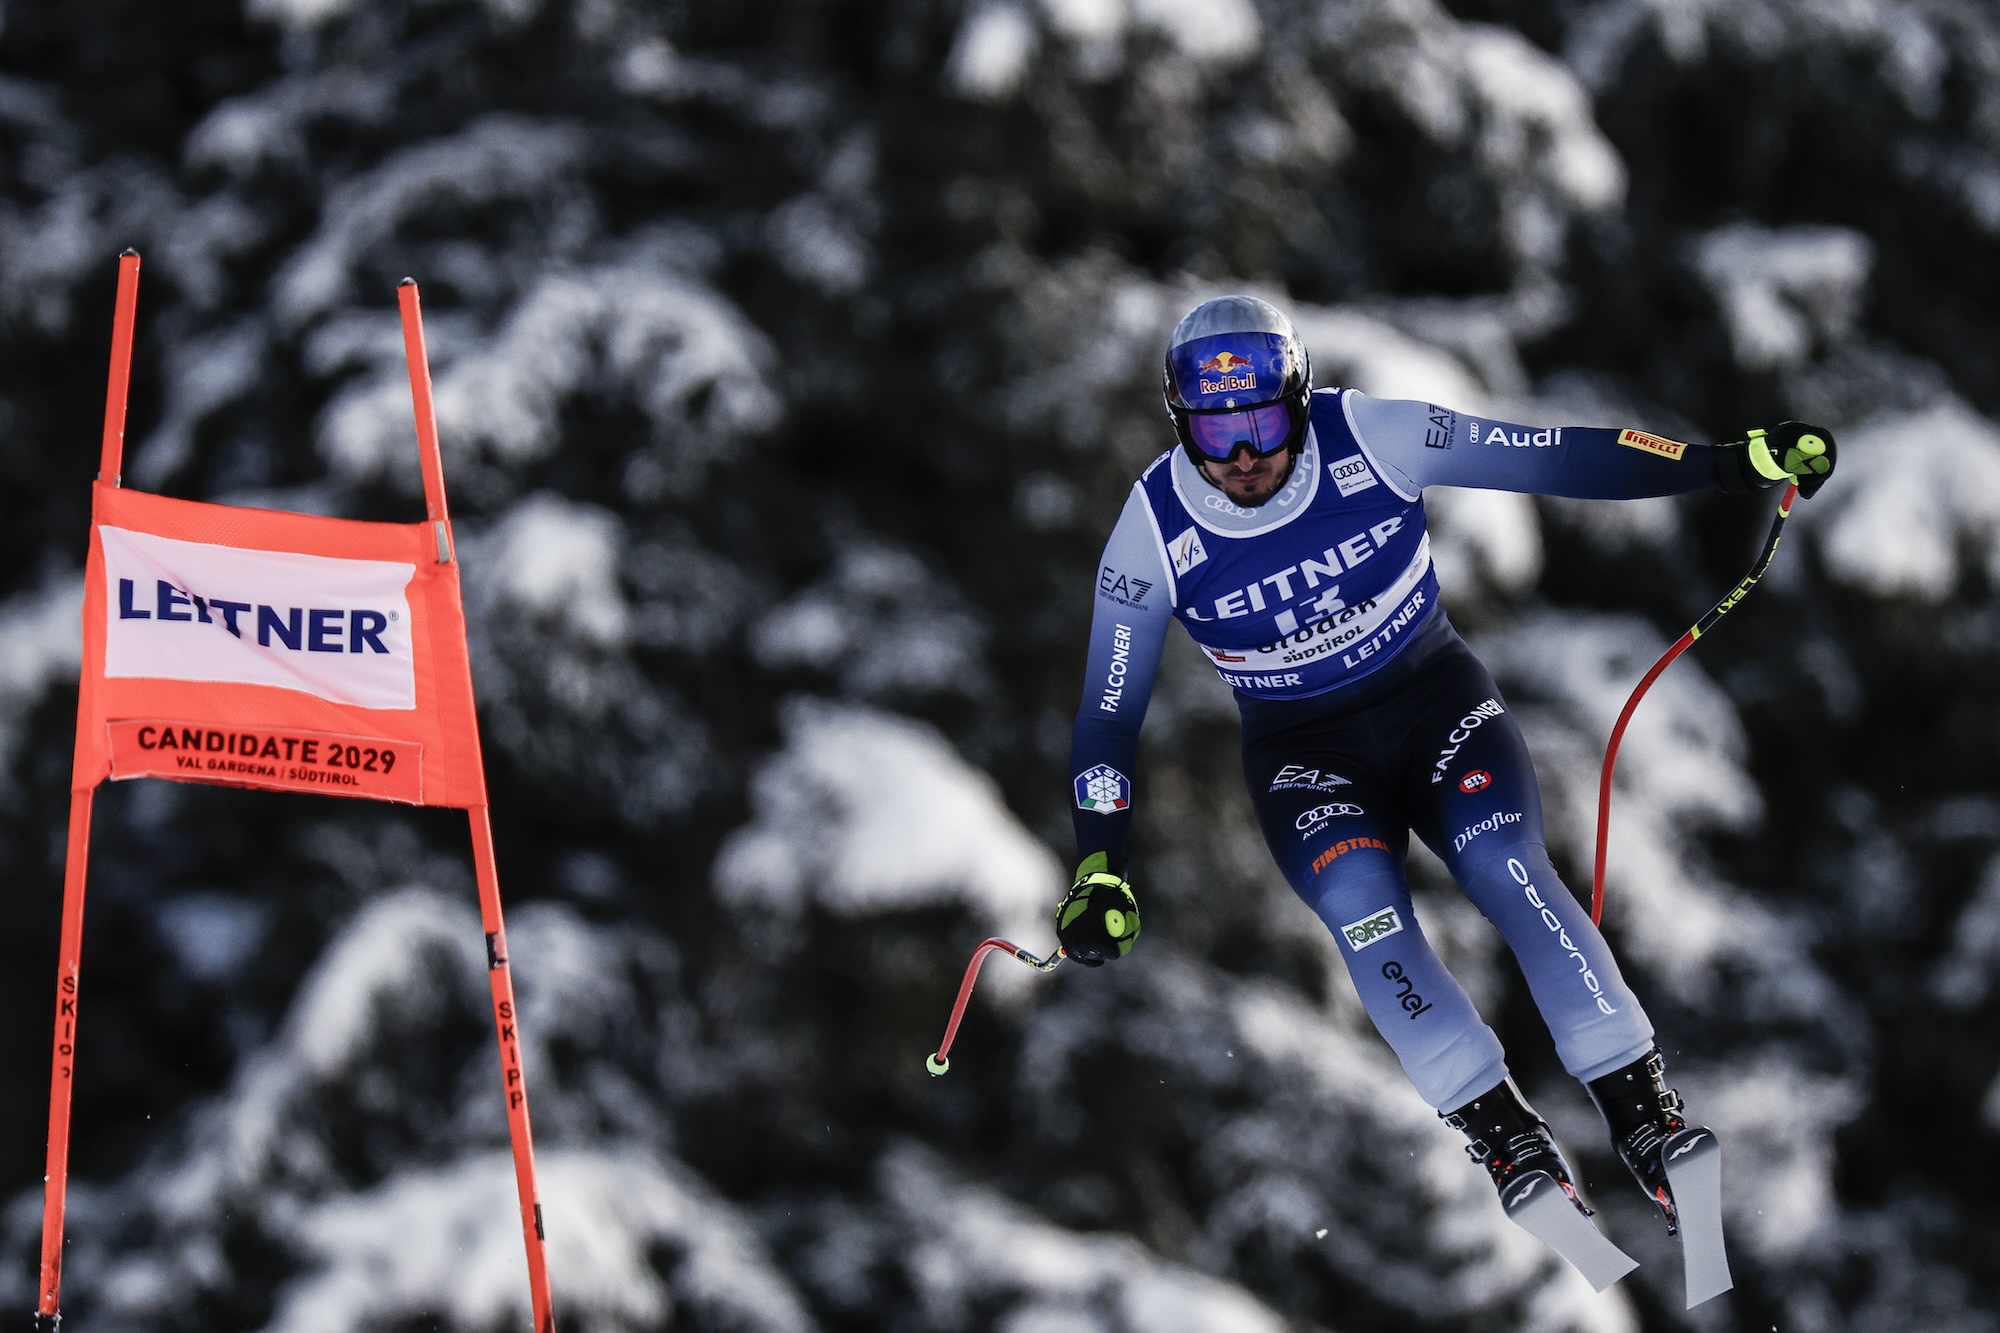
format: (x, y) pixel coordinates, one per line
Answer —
(1539, 1204)
(1693, 1159)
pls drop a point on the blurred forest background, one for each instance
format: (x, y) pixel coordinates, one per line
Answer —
(793, 359)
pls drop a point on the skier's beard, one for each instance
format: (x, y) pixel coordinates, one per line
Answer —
(1253, 484)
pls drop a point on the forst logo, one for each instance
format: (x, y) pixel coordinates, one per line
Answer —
(1372, 929)
(1220, 374)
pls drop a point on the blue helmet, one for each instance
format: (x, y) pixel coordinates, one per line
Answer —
(1237, 377)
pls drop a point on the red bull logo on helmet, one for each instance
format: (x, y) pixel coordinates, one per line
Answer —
(1226, 372)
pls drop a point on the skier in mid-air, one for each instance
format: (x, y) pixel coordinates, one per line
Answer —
(1287, 534)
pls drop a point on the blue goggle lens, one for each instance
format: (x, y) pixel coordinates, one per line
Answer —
(1261, 430)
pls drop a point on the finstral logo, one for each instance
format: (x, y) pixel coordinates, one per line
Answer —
(337, 629)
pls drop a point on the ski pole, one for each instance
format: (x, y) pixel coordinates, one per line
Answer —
(940, 1062)
(1681, 645)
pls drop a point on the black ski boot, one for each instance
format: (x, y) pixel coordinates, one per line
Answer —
(1642, 1113)
(1511, 1141)
(1678, 1165)
(1536, 1190)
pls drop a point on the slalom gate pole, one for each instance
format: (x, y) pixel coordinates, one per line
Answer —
(939, 1063)
(506, 1023)
(69, 966)
(1681, 645)
(76, 859)
(500, 978)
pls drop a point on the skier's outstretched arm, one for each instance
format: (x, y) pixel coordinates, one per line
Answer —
(1128, 628)
(1423, 444)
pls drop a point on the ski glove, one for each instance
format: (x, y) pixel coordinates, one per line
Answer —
(1098, 919)
(1788, 451)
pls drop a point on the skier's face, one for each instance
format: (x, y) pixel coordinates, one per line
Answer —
(1248, 480)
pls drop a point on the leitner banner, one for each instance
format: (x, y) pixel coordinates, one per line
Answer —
(265, 649)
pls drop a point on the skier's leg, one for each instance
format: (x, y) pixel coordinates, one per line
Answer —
(1337, 838)
(1478, 805)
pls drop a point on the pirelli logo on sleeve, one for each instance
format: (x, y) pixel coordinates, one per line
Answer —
(1652, 444)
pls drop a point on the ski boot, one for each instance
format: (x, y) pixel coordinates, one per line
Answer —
(1537, 1191)
(1678, 1165)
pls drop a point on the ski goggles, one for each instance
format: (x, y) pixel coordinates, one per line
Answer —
(1216, 436)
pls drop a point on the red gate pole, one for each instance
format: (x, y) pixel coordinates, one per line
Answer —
(506, 1021)
(76, 860)
(62, 1064)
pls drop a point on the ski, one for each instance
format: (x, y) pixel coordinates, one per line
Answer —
(1694, 1171)
(1538, 1204)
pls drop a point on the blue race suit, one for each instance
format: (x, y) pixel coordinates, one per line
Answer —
(1365, 716)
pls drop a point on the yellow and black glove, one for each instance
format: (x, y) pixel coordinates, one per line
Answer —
(1098, 919)
(1788, 451)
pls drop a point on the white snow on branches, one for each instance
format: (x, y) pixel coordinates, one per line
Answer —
(1777, 1120)
(882, 620)
(448, 1242)
(992, 52)
(864, 812)
(41, 643)
(1523, 114)
(974, 1248)
(1784, 291)
(1913, 492)
(551, 557)
(693, 363)
(502, 159)
(429, 1236)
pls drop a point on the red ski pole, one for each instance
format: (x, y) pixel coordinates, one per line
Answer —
(940, 1062)
(1681, 645)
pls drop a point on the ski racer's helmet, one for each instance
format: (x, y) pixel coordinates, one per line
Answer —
(1236, 377)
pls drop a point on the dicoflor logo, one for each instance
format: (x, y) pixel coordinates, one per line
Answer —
(335, 628)
(1486, 825)
(1372, 929)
